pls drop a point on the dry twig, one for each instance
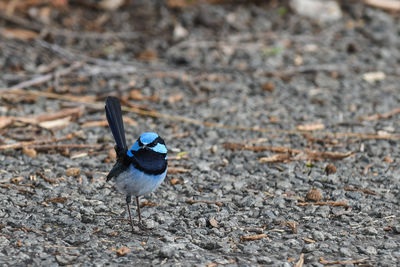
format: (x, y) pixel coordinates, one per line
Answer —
(51, 181)
(192, 201)
(174, 170)
(253, 237)
(383, 116)
(362, 190)
(323, 261)
(324, 203)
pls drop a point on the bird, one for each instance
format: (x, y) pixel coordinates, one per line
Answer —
(140, 169)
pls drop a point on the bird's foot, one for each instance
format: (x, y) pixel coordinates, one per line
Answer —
(142, 226)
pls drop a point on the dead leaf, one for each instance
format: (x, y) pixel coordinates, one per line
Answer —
(148, 55)
(113, 233)
(275, 158)
(213, 222)
(21, 34)
(330, 169)
(309, 240)
(253, 237)
(273, 119)
(136, 95)
(268, 86)
(385, 159)
(176, 181)
(123, 251)
(30, 152)
(147, 203)
(314, 195)
(311, 126)
(291, 225)
(74, 172)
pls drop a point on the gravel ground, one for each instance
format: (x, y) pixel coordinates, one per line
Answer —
(262, 68)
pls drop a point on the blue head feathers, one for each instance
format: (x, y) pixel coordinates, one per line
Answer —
(148, 140)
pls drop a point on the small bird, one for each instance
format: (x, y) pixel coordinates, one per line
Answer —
(140, 169)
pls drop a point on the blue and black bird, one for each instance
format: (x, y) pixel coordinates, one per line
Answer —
(140, 169)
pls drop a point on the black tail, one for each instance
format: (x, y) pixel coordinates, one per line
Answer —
(114, 118)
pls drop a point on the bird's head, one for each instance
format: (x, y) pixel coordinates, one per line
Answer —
(149, 141)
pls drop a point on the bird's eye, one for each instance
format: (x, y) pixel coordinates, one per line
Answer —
(140, 142)
(152, 144)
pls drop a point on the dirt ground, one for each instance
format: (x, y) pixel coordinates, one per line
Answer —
(283, 133)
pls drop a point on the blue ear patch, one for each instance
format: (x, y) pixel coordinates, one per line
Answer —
(160, 148)
(135, 146)
(147, 138)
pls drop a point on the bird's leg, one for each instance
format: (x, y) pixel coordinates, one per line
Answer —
(128, 200)
(141, 225)
(138, 209)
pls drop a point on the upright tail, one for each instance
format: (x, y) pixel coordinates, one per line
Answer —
(114, 118)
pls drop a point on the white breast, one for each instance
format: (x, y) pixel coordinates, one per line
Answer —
(136, 183)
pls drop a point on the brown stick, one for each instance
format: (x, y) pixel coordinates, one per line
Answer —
(384, 116)
(278, 149)
(253, 237)
(51, 181)
(192, 201)
(323, 261)
(27, 143)
(327, 203)
(363, 190)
